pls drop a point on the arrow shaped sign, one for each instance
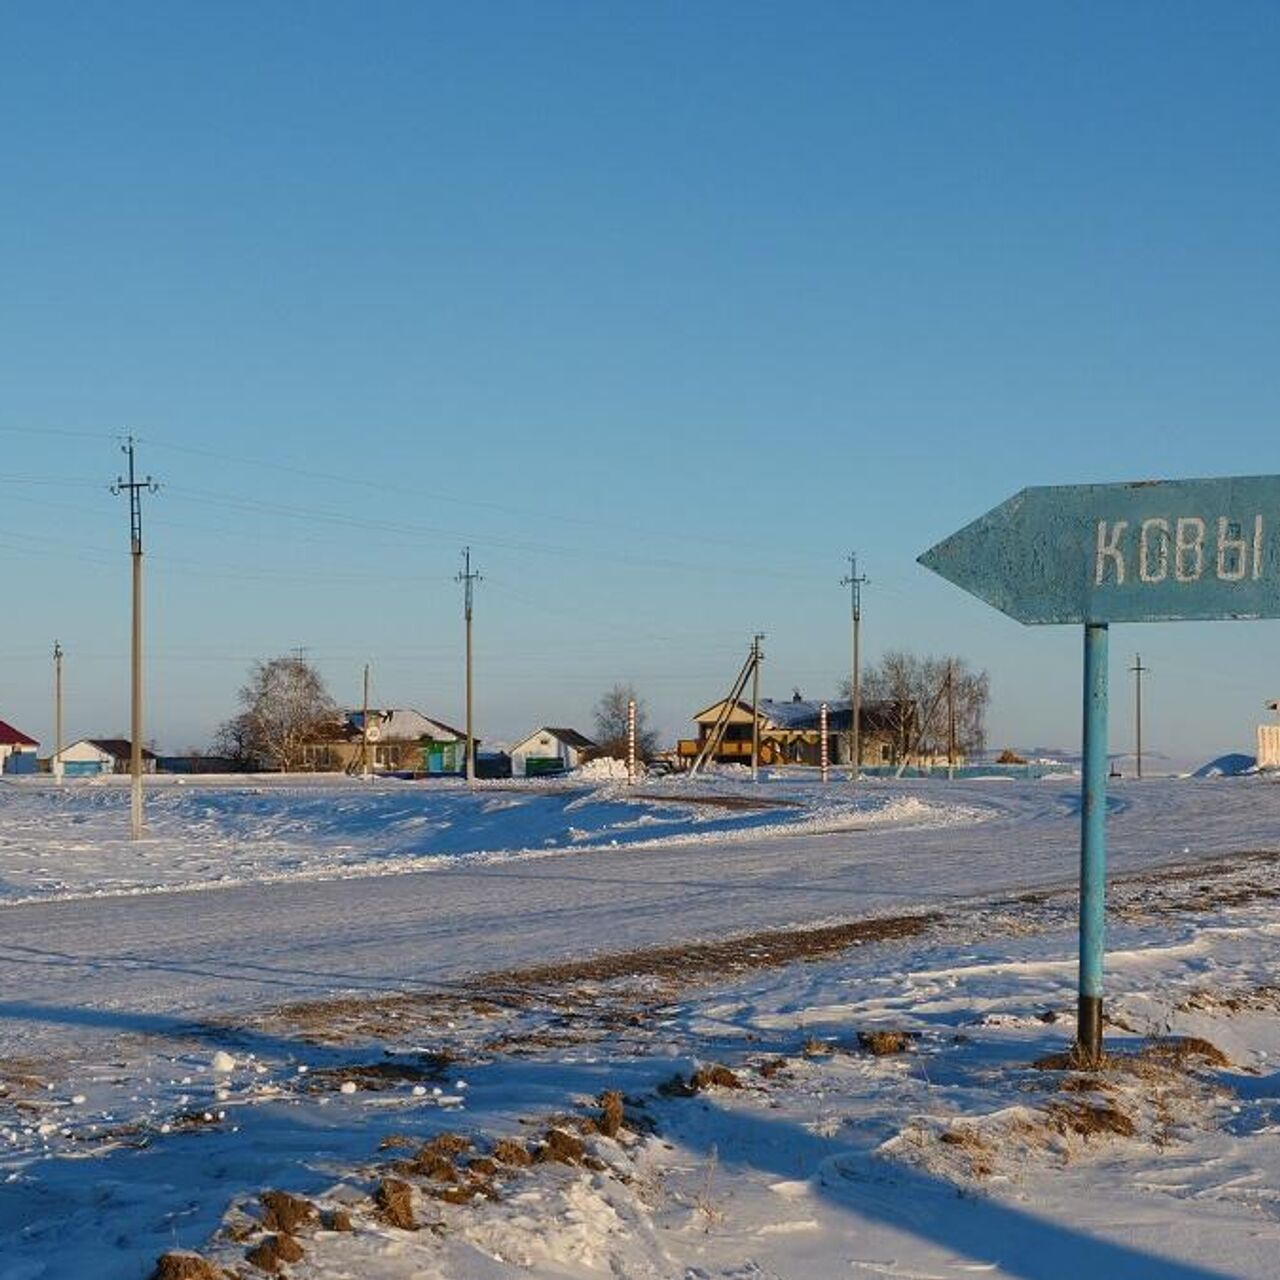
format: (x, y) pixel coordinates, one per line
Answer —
(1153, 551)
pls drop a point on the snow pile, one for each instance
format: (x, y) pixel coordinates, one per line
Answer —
(1232, 765)
(604, 769)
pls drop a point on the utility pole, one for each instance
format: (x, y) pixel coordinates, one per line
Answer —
(57, 712)
(951, 719)
(631, 740)
(1138, 672)
(364, 726)
(469, 578)
(855, 583)
(824, 742)
(757, 656)
(135, 489)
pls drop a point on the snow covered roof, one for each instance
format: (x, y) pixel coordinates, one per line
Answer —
(404, 724)
(11, 737)
(798, 714)
(570, 738)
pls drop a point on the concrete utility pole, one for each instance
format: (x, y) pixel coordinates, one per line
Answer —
(951, 719)
(1138, 672)
(57, 712)
(364, 726)
(757, 656)
(469, 578)
(855, 583)
(135, 489)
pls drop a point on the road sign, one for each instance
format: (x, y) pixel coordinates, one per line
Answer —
(1153, 551)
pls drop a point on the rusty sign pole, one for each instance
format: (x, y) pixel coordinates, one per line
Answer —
(1152, 551)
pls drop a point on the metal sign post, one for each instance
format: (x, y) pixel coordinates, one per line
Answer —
(1155, 551)
(1093, 843)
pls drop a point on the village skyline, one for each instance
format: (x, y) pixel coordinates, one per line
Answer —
(662, 320)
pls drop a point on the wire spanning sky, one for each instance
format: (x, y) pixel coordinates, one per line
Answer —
(663, 309)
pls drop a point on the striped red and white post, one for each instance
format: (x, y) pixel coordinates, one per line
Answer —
(631, 740)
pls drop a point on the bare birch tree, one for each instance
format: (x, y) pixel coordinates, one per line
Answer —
(284, 705)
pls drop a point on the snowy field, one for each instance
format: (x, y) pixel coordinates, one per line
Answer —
(70, 841)
(291, 986)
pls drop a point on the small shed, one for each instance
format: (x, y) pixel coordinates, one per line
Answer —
(17, 751)
(549, 750)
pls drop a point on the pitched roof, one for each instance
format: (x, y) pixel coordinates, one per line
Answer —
(804, 714)
(11, 737)
(570, 738)
(121, 748)
(405, 724)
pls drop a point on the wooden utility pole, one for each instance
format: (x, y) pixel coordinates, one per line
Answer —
(855, 583)
(135, 489)
(1138, 672)
(57, 712)
(469, 578)
(756, 656)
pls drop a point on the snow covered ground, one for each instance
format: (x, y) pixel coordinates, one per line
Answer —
(70, 841)
(211, 1014)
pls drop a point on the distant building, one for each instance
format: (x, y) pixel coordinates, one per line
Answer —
(88, 756)
(1269, 742)
(791, 731)
(401, 740)
(18, 752)
(550, 750)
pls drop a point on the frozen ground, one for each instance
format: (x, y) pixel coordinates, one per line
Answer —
(120, 1139)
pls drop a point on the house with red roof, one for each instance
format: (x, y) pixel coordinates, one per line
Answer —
(17, 750)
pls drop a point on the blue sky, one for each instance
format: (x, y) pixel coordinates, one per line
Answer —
(662, 308)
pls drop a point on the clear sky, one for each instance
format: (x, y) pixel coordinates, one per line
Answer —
(663, 308)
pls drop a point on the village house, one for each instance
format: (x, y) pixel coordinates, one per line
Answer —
(791, 731)
(87, 757)
(401, 740)
(18, 752)
(549, 750)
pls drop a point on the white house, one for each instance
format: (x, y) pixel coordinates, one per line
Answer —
(17, 751)
(87, 756)
(549, 750)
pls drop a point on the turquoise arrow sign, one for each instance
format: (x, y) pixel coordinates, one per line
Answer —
(1153, 551)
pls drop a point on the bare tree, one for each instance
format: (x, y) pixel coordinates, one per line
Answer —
(915, 691)
(284, 705)
(232, 741)
(611, 724)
